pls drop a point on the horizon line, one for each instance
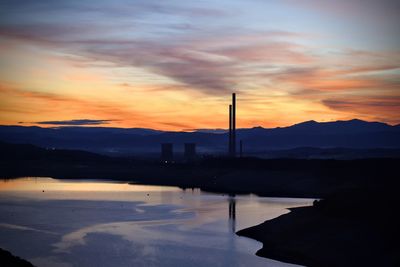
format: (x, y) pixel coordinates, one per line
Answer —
(56, 126)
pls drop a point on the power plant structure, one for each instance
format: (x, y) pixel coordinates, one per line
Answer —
(167, 153)
(189, 153)
(232, 127)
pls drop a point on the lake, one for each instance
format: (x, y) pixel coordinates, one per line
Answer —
(82, 223)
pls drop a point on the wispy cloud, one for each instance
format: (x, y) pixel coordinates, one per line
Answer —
(29, 103)
(213, 63)
(208, 59)
(376, 108)
(354, 104)
(80, 122)
(178, 51)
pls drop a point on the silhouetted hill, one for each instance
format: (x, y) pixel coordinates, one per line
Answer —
(339, 127)
(32, 152)
(353, 134)
(9, 260)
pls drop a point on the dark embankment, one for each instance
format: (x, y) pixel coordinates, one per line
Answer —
(9, 260)
(272, 177)
(359, 227)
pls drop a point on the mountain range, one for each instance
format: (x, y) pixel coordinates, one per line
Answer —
(352, 134)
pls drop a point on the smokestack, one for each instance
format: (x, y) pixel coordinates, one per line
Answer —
(230, 131)
(234, 125)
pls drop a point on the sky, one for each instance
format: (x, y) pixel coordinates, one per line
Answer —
(172, 65)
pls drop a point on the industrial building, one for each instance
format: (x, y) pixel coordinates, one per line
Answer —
(190, 152)
(167, 153)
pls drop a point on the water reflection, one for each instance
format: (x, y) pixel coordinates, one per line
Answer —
(130, 225)
(32, 184)
(232, 213)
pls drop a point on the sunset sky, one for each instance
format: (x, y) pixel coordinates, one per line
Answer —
(172, 65)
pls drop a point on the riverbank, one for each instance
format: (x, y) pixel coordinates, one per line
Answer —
(347, 229)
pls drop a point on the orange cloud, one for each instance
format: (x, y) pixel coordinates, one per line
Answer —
(22, 105)
(369, 108)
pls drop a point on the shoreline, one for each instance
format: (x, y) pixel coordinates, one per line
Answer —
(338, 231)
(263, 177)
(268, 234)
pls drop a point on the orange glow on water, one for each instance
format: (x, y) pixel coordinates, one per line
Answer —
(48, 184)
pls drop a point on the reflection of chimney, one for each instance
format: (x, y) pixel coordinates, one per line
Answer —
(232, 213)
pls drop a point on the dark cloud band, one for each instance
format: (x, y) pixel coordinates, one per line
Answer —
(81, 122)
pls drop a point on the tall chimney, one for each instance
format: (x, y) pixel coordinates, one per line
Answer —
(234, 125)
(230, 130)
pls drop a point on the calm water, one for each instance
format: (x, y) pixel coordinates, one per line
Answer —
(100, 223)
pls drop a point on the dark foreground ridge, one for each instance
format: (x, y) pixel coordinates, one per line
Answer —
(351, 229)
(355, 224)
(9, 260)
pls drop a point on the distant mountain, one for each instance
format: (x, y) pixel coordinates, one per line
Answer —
(342, 127)
(31, 152)
(352, 134)
(218, 131)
